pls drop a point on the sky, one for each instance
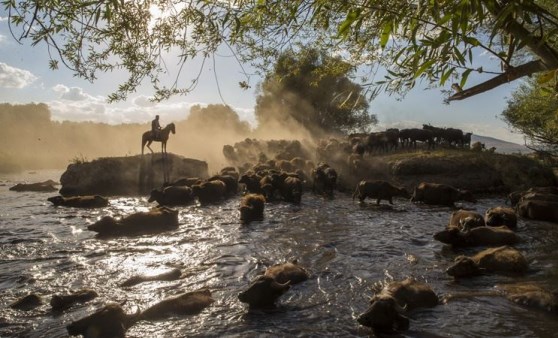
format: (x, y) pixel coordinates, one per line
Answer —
(26, 78)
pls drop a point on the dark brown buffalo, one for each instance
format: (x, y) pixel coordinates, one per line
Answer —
(46, 186)
(172, 195)
(92, 201)
(290, 272)
(154, 221)
(61, 302)
(531, 295)
(210, 191)
(387, 308)
(269, 184)
(324, 179)
(381, 190)
(109, 321)
(230, 181)
(252, 208)
(501, 260)
(290, 188)
(542, 194)
(187, 181)
(480, 236)
(498, 216)
(173, 274)
(440, 194)
(189, 303)
(465, 220)
(413, 135)
(263, 292)
(251, 182)
(538, 210)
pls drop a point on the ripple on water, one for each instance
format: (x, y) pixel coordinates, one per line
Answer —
(348, 248)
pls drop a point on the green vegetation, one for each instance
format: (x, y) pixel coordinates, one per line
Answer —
(314, 90)
(533, 110)
(432, 41)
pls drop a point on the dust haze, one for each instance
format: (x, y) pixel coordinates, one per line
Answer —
(31, 140)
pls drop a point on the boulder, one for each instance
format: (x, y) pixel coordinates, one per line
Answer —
(128, 176)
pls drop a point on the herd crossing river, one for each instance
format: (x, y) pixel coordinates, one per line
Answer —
(350, 249)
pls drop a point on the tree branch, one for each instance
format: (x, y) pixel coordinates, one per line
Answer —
(511, 74)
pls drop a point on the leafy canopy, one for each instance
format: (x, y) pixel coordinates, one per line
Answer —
(315, 90)
(533, 110)
(414, 40)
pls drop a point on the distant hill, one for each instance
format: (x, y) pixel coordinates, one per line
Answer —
(502, 147)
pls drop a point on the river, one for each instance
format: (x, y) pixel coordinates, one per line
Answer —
(348, 248)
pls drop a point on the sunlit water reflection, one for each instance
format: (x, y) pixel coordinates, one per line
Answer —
(348, 249)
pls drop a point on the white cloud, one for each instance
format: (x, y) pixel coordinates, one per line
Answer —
(11, 77)
(143, 101)
(71, 94)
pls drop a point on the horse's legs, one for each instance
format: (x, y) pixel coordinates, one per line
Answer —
(148, 146)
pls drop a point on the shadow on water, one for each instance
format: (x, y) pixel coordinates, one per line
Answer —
(348, 248)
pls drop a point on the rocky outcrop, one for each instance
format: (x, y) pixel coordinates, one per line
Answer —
(473, 171)
(130, 175)
(484, 172)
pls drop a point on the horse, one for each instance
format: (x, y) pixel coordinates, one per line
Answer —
(148, 138)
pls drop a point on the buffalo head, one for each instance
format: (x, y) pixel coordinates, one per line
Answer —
(263, 292)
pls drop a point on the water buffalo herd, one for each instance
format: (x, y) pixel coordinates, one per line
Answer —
(286, 180)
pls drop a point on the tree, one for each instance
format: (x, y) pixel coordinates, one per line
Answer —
(419, 40)
(313, 89)
(215, 118)
(533, 111)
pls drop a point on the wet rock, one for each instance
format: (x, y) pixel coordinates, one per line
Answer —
(27, 303)
(45, 186)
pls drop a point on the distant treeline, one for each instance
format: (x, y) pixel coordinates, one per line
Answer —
(31, 140)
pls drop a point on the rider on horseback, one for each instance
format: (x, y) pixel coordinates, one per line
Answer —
(156, 128)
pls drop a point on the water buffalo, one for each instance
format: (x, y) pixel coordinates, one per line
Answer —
(324, 179)
(290, 187)
(479, 236)
(531, 295)
(538, 210)
(252, 183)
(387, 308)
(187, 181)
(543, 193)
(501, 260)
(269, 184)
(91, 201)
(27, 303)
(172, 195)
(412, 135)
(173, 274)
(263, 292)
(210, 191)
(379, 190)
(188, 303)
(498, 216)
(61, 302)
(230, 181)
(252, 208)
(154, 221)
(440, 194)
(290, 272)
(465, 220)
(46, 186)
(109, 321)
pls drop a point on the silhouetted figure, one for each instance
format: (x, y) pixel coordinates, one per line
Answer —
(156, 128)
